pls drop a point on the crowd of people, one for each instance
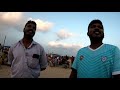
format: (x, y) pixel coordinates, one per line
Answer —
(4, 55)
(57, 60)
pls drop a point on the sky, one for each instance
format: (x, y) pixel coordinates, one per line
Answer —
(61, 33)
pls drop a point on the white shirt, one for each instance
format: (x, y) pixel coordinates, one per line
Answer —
(23, 64)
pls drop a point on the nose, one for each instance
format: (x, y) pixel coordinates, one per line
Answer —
(96, 27)
(31, 28)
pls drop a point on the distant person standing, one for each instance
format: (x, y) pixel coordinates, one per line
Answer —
(0, 47)
(27, 57)
(98, 60)
(72, 59)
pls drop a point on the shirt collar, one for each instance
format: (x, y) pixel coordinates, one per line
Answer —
(33, 42)
(96, 48)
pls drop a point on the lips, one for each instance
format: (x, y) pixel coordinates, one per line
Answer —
(30, 31)
(97, 32)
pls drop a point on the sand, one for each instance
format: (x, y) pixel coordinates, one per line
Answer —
(50, 72)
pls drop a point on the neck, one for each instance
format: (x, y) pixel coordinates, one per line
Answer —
(27, 38)
(27, 41)
(95, 44)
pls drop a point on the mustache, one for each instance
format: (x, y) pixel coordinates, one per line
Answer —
(97, 30)
(30, 30)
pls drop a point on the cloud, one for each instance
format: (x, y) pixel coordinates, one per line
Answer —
(17, 20)
(43, 26)
(10, 17)
(63, 34)
(10, 20)
(63, 45)
(64, 48)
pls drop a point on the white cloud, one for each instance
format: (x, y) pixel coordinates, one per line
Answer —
(43, 26)
(63, 34)
(64, 45)
(16, 20)
(10, 17)
(11, 20)
(64, 48)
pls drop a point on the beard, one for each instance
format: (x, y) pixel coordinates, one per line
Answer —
(96, 38)
(29, 36)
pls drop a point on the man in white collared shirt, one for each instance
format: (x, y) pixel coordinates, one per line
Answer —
(27, 58)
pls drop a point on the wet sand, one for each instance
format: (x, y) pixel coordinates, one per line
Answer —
(50, 72)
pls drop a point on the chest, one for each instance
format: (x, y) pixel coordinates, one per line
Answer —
(95, 60)
(20, 51)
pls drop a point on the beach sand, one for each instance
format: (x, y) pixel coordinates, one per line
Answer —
(50, 72)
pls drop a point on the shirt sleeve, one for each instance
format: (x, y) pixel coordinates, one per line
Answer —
(116, 62)
(43, 60)
(10, 56)
(74, 65)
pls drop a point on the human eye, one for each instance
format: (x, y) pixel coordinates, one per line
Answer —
(93, 26)
(100, 27)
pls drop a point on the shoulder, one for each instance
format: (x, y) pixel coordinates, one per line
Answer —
(39, 45)
(83, 49)
(110, 46)
(14, 45)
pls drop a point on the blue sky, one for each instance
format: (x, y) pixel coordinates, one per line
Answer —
(63, 33)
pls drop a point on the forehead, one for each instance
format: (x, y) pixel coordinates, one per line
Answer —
(96, 24)
(30, 24)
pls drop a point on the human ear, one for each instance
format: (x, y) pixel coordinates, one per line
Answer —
(88, 33)
(24, 30)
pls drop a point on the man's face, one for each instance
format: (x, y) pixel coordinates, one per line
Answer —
(29, 30)
(96, 31)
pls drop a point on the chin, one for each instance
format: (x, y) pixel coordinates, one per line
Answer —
(98, 38)
(29, 36)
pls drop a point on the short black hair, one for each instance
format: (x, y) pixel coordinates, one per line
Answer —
(30, 21)
(95, 21)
